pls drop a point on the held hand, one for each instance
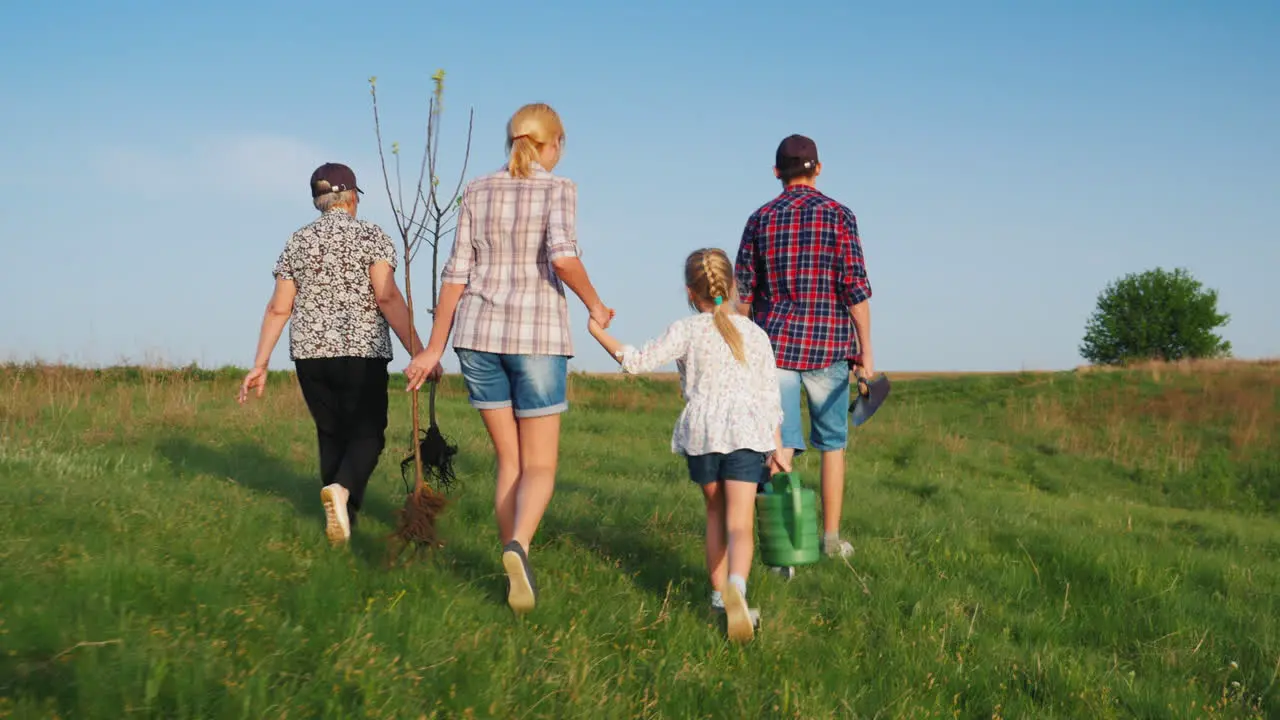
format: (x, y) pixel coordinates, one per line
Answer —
(778, 465)
(424, 366)
(256, 379)
(594, 327)
(780, 461)
(602, 316)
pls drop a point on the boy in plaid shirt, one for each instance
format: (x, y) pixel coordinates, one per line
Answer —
(802, 278)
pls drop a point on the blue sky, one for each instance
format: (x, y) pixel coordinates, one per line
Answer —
(1005, 160)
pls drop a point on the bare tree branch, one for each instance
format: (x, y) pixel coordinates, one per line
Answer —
(377, 129)
(414, 213)
(466, 158)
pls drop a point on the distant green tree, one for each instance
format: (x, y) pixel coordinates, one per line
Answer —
(1155, 315)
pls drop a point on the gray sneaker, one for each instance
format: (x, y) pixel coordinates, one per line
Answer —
(787, 572)
(522, 588)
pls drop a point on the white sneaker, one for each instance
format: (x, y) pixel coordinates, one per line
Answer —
(842, 549)
(337, 525)
(738, 616)
(754, 613)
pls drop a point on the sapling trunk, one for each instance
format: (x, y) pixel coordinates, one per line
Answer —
(418, 477)
(435, 300)
(432, 453)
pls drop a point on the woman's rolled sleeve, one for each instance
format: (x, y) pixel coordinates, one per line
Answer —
(457, 269)
(562, 235)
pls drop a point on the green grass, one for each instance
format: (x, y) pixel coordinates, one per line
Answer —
(1052, 546)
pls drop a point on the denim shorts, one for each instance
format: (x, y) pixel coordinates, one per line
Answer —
(828, 399)
(744, 465)
(533, 385)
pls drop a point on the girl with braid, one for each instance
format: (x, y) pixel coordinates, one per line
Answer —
(730, 425)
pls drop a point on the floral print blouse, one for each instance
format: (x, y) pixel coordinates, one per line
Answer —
(335, 313)
(728, 406)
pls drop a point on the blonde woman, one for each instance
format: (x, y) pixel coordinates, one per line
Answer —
(730, 423)
(502, 298)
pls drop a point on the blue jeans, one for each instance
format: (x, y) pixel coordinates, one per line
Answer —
(533, 385)
(828, 393)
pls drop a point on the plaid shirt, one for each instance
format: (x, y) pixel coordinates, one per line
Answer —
(800, 267)
(510, 230)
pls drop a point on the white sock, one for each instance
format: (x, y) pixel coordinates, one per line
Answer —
(717, 600)
(740, 583)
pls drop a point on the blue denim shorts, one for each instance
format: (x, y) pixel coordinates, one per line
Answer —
(533, 385)
(743, 465)
(828, 395)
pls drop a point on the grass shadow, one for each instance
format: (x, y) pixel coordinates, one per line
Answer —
(250, 466)
(480, 570)
(39, 676)
(651, 565)
(924, 491)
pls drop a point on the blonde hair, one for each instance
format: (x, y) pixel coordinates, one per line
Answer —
(709, 276)
(532, 127)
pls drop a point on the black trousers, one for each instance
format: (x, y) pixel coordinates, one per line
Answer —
(347, 397)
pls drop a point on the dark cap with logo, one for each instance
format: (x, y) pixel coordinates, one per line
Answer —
(797, 155)
(333, 177)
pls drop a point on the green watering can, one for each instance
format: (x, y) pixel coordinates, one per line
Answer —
(787, 519)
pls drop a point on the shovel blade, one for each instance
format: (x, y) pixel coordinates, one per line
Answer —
(865, 405)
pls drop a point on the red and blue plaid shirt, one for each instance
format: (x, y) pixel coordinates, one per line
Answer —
(800, 268)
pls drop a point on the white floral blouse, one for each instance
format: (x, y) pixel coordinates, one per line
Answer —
(335, 313)
(728, 406)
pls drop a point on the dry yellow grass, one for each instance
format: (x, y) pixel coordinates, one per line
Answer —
(1156, 420)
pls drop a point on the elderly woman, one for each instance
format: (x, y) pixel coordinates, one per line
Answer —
(335, 286)
(503, 297)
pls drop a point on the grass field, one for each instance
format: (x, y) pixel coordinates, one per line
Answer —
(1047, 545)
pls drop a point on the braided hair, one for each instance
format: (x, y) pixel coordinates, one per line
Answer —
(709, 276)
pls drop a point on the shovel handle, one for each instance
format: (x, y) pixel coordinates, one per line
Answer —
(863, 388)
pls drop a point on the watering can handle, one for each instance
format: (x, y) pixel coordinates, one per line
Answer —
(797, 510)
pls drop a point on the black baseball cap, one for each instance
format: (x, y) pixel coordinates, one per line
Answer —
(333, 177)
(796, 154)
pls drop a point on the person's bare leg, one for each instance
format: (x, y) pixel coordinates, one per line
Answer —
(832, 490)
(739, 503)
(539, 439)
(505, 435)
(740, 506)
(717, 539)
